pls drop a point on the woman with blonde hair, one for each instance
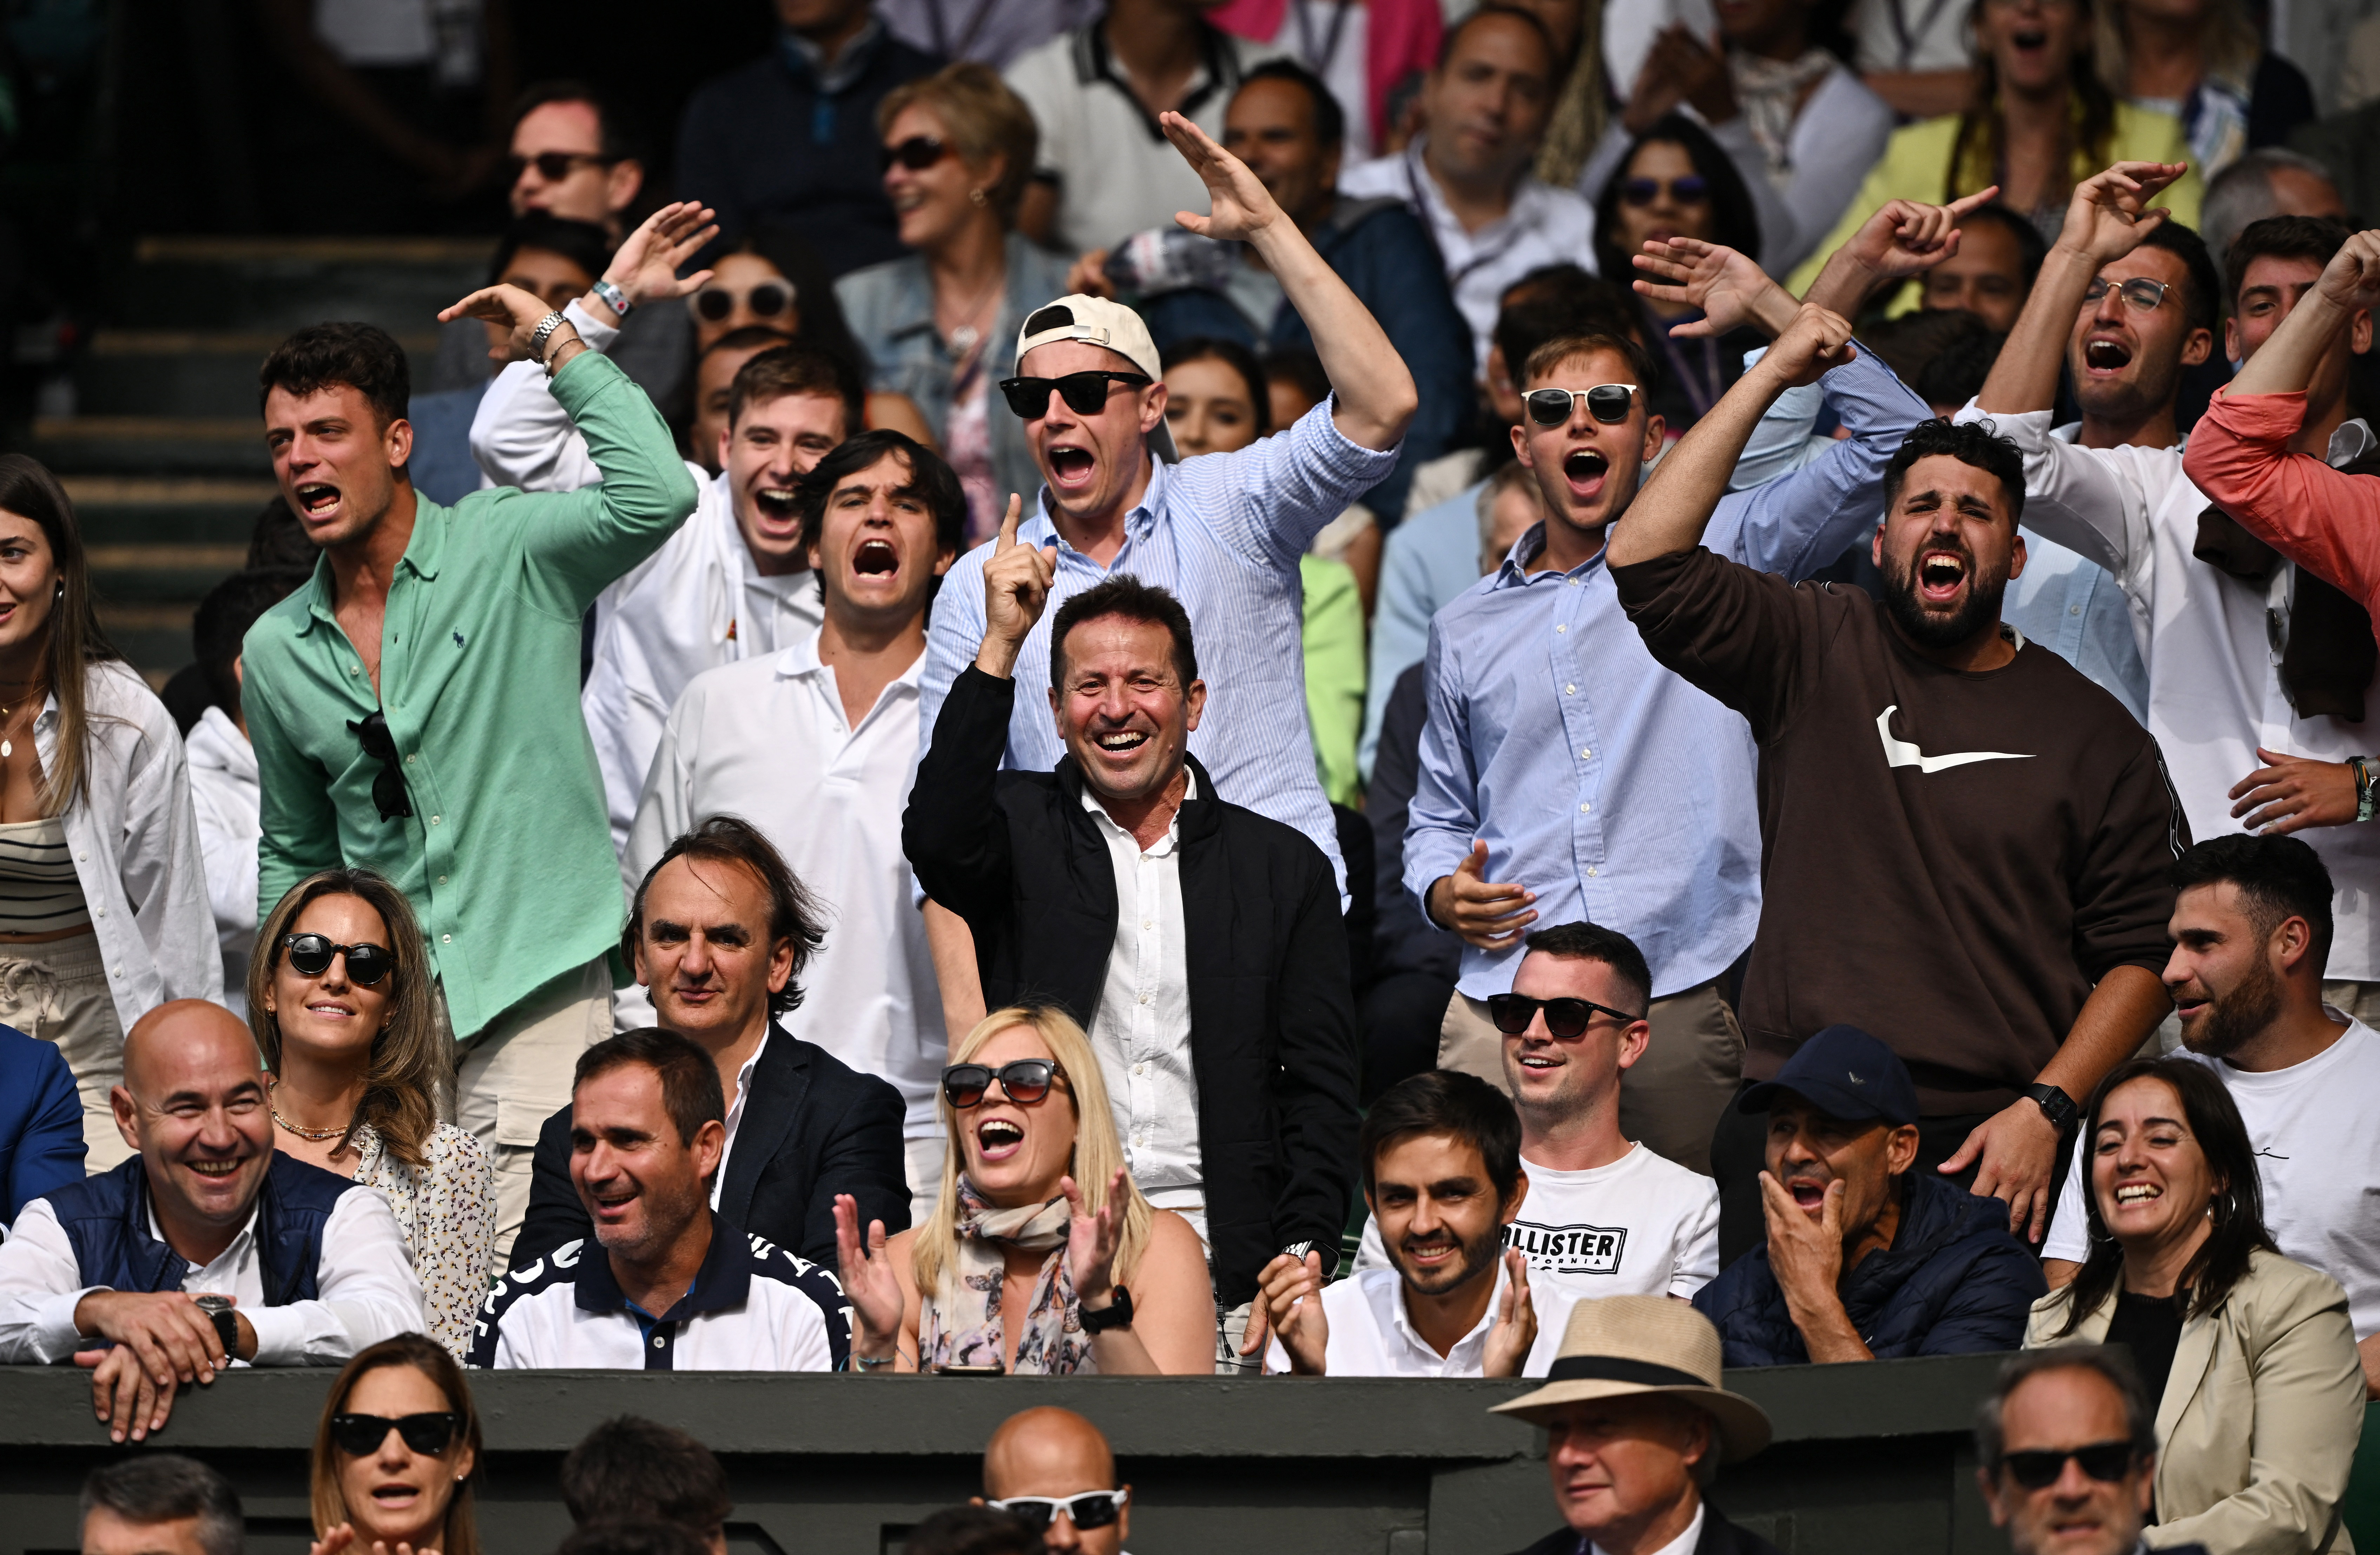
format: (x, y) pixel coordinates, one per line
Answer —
(395, 1455)
(2203, 62)
(339, 997)
(103, 910)
(1040, 1257)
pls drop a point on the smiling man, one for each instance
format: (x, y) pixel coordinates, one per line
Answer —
(1199, 943)
(817, 745)
(1963, 842)
(663, 1283)
(1867, 1258)
(208, 1249)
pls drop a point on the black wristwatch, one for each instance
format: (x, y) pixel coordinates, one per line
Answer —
(2057, 1106)
(219, 1308)
(1116, 1316)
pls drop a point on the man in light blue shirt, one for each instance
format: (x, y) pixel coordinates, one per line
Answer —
(1590, 782)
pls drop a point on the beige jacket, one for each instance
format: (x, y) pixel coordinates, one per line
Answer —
(2261, 1416)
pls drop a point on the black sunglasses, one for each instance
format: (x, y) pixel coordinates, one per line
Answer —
(2106, 1462)
(310, 955)
(1027, 1080)
(1092, 1508)
(1607, 403)
(388, 789)
(360, 1436)
(1084, 391)
(766, 298)
(1567, 1019)
(554, 166)
(1692, 190)
(916, 153)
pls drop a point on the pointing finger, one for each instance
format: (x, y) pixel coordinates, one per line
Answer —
(1981, 196)
(1008, 525)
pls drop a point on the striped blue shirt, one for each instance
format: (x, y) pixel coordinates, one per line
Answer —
(1223, 533)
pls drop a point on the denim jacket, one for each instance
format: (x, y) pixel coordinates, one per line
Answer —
(890, 309)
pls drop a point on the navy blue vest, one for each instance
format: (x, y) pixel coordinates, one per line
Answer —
(107, 1218)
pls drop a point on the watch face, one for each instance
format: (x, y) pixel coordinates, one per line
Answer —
(207, 1301)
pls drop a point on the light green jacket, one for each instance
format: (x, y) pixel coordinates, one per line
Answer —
(1334, 673)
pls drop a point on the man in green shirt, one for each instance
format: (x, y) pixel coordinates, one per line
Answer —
(415, 706)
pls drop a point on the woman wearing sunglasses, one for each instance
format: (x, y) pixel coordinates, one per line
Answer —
(1676, 182)
(941, 325)
(394, 1454)
(1040, 1257)
(339, 998)
(2251, 1355)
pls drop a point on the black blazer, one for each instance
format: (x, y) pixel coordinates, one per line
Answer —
(813, 1127)
(1271, 1012)
(1719, 1537)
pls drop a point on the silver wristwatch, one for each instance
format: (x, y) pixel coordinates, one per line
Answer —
(219, 1309)
(544, 332)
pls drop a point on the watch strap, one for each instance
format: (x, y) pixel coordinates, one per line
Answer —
(1116, 1315)
(613, 298)
(2367, 800)
(2056, 1105)
(544, 332)
(226, 1330)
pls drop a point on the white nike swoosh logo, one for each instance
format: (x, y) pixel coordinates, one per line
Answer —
(1903, 753)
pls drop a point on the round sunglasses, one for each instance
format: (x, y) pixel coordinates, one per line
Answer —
(360, 1436)
(716, 305)
(1025, 1081)
(310, 955)
(1607, 403)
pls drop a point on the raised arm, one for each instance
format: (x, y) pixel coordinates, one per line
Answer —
(1374, 393)
(2350, 284)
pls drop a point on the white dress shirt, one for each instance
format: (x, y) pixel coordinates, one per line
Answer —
(1142, 1028)
(226, 795)
(766, 740)
(696, 604)
(1681, 1545)
(736, 1114)
(1544, 225)
(365, 1278)
(1371, 1334)
(2214, 675)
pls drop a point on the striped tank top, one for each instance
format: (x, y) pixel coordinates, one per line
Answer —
(40, 893)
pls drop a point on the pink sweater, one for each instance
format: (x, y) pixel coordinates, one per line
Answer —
(2324, 521)
(1399, 38)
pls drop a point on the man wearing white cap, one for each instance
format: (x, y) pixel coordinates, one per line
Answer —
(1636, 1426)
(1223, 533)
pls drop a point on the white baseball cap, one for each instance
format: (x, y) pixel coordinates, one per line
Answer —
(1094, 321)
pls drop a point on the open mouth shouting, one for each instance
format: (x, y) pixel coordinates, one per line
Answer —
(1941, 577)
(2029, 40)
(998, 1140)
(1809, 1193)
(876, 558)
(318, 501)
(776, 506)
(1585, 469)
(2104, 356)
(1071, 467)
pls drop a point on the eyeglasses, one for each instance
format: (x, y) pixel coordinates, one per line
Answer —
(714, 305)
(1567, 1019)
(1082, 391)
(388, 788)
(1026, 1081)
(554, 166)
(310, 955)
(360, 1435)
(2139, 291)
(1692, 190)
(1606, 403)
(1091, 1508)
(916, 153)
(2106, 1462)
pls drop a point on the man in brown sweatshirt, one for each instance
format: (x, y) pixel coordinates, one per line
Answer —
(1965, 842)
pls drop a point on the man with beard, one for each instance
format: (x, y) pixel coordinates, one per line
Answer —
(1963, 841)
(1442, 1158)
(2252, 927)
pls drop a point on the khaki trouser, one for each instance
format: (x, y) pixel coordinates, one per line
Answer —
(1670, 1099)
(515, 1074)
(2359, 1000)
(58, 992)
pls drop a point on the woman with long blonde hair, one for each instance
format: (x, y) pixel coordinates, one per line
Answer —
(1040, 1257)
(339, 998)
(396, 1454)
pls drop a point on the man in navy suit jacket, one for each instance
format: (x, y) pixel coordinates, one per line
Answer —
(41, 1122)
(719, 929)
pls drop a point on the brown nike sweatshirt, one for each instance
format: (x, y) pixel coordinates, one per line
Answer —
(1950, 859)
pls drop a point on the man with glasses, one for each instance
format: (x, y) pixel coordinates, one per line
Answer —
(2260, 674)
(2066, 1450)
(1868, 1256)
(1601, 1215)
(208, 1248)
(1223, 534)
(1053, 1468)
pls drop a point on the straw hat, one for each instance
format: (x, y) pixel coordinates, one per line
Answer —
(1624, 1345)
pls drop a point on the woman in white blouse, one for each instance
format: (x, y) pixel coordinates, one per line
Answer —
(95, 817)
(339, 998)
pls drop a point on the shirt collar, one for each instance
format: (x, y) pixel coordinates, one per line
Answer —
(1513, 573)
(720, 1285)
(1172, 827)
(800, 658)
(806, 59)
(1681, 1545)
(1421, 1346)
(247, 1232)
(1041, 529)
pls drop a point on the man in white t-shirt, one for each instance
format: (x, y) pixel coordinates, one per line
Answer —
(2252, 927)
(1601, 1216)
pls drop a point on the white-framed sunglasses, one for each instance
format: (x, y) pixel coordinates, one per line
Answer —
(1606, 403)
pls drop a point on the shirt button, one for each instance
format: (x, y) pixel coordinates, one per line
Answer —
(436, 819)
(1140, 1068)
(1144, 999)
(1561, 628)
(100, 913)
(1583, 752)
(2074, 610)
(660, 1344)
(1569, 690)
(1585, 808)
(355, 669)
(412, 759)
(441, 879)
(1590, 871)
(1573, 582)
(446, 939)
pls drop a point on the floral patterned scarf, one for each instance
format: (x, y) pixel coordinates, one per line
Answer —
(961, 1325)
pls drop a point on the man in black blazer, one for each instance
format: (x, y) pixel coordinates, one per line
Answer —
(1236, 1103)
(719, 929)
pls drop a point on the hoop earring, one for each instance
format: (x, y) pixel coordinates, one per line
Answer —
(977, 196)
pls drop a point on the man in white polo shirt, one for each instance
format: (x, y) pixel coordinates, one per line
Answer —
(664, 1285)
(1603, 1215)
(2252, 926)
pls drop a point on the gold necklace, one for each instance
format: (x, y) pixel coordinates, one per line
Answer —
(302, 1132)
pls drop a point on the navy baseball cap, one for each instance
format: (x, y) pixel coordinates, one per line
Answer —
(1844, 1073)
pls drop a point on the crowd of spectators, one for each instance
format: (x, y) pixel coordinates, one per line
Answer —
(614, 904)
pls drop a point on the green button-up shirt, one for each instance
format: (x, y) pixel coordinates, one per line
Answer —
(507, 855)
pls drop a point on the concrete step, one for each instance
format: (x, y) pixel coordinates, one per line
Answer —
(156, 545)
(192, 373)
(277, 284)
(152, 444)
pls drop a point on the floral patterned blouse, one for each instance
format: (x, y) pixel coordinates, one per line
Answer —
(447, 1211)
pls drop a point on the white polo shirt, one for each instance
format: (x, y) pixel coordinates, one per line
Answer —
(753, 1307)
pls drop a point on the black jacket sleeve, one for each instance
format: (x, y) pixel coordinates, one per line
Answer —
(954, 832)
(555, 1214)
(861, 1155)
(1314, 1085)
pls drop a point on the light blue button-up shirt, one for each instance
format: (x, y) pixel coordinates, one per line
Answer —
(1611, 788)
(1223, 533)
